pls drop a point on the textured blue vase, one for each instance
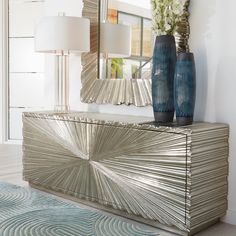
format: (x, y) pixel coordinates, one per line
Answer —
(163, 70)
(185, 88)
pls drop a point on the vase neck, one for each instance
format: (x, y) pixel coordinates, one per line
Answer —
(165, 38)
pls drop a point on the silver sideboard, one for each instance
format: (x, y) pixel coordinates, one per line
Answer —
(174, 178)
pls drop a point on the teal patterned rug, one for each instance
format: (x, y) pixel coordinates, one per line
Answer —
(27, 212)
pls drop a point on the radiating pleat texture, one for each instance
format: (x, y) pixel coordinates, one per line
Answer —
(173, 175)
(26, 212)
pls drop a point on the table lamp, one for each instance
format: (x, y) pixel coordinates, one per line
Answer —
(62, 35)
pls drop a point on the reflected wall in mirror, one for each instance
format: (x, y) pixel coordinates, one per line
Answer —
(116, 79)
(137, 16)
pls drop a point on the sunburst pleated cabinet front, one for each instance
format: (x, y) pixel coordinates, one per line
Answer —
(174, 176)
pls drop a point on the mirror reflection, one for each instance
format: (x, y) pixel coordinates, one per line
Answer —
(126, 40)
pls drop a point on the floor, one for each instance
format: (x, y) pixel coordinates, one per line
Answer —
(11, 171)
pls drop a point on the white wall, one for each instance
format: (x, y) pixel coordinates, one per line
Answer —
(141, 8)
(212, 40)
(1, 67)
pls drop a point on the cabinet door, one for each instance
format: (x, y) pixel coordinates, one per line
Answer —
(126, 167)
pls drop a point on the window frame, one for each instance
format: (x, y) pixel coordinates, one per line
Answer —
(141, 59)
(5, 106)
(4, 66)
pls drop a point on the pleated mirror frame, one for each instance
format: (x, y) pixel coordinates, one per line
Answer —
(118, 91)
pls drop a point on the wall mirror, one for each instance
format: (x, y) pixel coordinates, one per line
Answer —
(117, 70)
(126, 50)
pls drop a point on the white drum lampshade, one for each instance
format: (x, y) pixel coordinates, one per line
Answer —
(115, 40)
(57, 34)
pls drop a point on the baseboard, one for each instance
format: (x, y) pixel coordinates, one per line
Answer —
(230, 217)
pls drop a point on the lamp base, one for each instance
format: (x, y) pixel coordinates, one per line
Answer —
(62, 84)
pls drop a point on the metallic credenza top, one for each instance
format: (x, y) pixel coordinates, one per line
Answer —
(173, 176)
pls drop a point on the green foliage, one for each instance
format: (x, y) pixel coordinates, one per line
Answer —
(117, 68)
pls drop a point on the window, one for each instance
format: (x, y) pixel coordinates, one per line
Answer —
(141, 44)
(147, 42)
(137, 65)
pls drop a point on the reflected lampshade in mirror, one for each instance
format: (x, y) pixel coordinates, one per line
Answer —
(115, 40)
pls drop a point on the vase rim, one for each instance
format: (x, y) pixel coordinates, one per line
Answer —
(185, 53)
(165, 35)
(165, 38)
(185, 56)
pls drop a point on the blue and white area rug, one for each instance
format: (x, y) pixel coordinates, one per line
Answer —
(27, 212)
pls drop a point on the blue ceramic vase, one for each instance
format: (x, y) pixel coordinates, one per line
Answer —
(185, 88)
(163, 70)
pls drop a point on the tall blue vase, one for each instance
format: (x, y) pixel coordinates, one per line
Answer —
(185, 88)
(163, 70)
